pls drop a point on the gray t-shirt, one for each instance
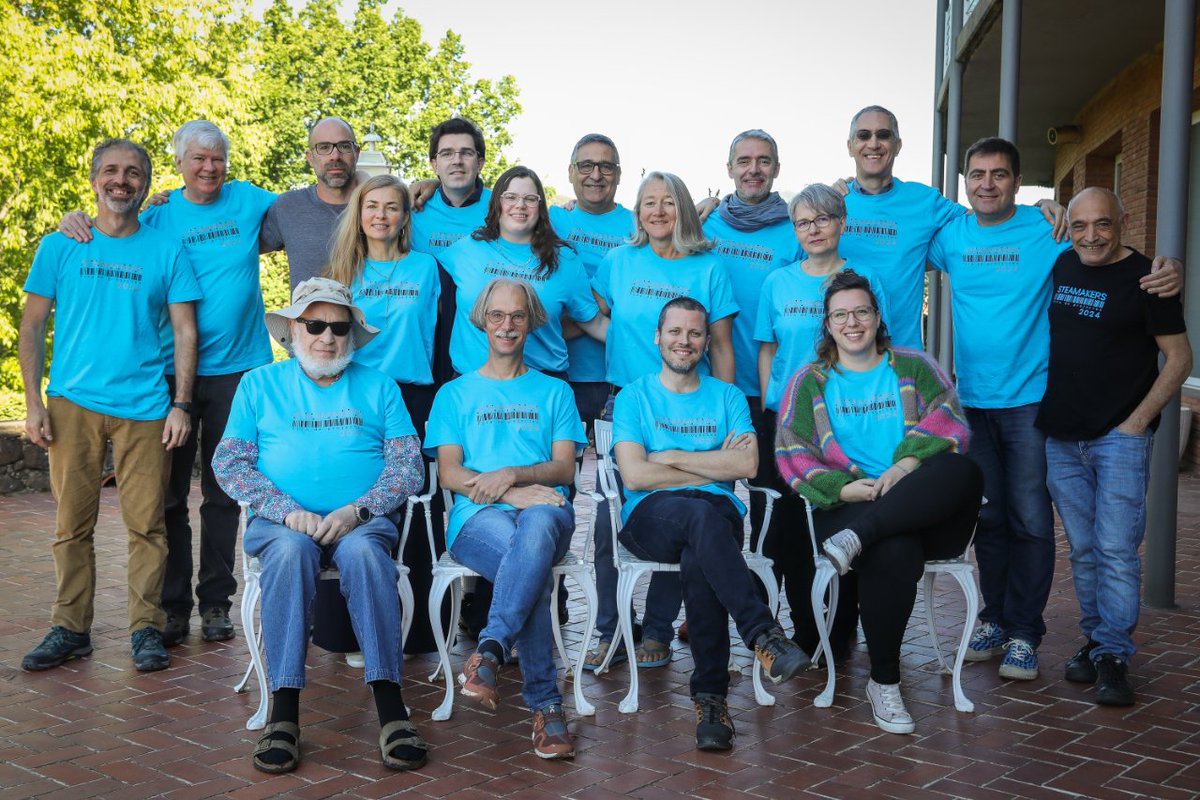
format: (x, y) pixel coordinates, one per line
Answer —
(303, 224)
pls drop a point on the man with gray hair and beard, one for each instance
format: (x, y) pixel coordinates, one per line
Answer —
(107, 381)
(322, 450)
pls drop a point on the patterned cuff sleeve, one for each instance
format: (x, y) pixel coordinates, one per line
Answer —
(235, 464)
(403, 474)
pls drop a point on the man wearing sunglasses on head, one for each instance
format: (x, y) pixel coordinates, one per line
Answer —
(322, 450)
(302, 221)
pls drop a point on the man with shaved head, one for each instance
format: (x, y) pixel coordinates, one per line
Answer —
(302, 221)
(1104, 392)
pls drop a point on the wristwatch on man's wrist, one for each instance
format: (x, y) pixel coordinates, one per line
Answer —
(363, 515)
(184, 407)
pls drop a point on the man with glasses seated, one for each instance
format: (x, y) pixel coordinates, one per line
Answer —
(302, 221)
(322, 450)
(506, 438)
(681, 440)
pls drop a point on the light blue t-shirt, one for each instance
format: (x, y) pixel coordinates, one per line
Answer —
(401, 299)
(501, 423)
(110, 304)
(636, 283)
(323, 446)
(593, 235)
(790, 313)
(473, 264)
(650, 414)
(865, 414)
(1000, 277)
(749, 256)
(221, 240)
(889, 234)
(439, 225)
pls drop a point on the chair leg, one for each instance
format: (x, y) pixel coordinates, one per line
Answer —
(967, 581)
(929, 620)
(437, 592)
(761, 695)
(825, 579)
(626, 582)
(250, 597)
(582, 706)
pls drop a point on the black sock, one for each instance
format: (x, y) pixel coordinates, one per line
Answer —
(285, 707)
(490, 647)
(390, 705)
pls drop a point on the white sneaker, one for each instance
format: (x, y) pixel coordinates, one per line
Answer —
(842, 548)
(355, 660)
(888, 707)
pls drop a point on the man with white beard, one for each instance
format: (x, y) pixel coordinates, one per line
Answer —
(107, 382)
(322, 450)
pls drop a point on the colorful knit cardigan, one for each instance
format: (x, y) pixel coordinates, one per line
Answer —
(810, 458)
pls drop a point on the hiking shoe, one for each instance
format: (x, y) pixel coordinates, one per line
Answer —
(888, 708)
(478, 679)
(714, 728)
(176, 629)
(215, 625)
(842, 548)
(149, 654)
(781, 658)
(1080, 667)
(551, 739)
(59, 647)
(988, 640)
(1020, 662)
(1112, 682)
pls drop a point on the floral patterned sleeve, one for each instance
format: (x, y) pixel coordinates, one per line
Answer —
(403, 474)
(235, 464)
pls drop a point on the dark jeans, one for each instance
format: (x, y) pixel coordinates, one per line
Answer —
(702, 532)
(212, 396)
(1015, 543)
(926, 515)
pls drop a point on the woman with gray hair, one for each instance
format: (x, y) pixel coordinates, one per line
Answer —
(791, 312)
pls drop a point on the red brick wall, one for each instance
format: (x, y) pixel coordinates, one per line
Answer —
(1122, 118)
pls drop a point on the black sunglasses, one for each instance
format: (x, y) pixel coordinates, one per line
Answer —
(316, 327)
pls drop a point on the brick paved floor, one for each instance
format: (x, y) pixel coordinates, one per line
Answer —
(97, 728)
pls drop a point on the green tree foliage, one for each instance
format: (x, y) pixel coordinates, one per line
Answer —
(77, 71)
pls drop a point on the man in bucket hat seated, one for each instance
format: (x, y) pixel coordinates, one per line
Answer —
(322, 449)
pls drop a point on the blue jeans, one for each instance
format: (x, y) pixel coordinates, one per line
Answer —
(702, 533)
(1099, 487)
(515, 549)
(291, 563)
(1014, 544)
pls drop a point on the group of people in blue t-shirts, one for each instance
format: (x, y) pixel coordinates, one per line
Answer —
(745, 337)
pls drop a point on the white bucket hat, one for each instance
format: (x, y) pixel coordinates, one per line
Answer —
(319, 290)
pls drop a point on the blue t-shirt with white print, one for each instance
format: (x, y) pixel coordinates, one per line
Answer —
(650, 414)
(110, 308)
(865, 414)
(323, 446)
(1001, 283)
(401, 299)
(472, 264)
(889, 234)
(749, 257)
(790, 313)
(221, 240)
(438, 225)
(593, 235)
(501, 423)
(636, 283)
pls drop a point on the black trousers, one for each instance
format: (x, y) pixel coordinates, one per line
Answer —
(928, 514)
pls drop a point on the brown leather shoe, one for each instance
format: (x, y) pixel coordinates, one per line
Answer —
(551, 739)
(478, 679)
